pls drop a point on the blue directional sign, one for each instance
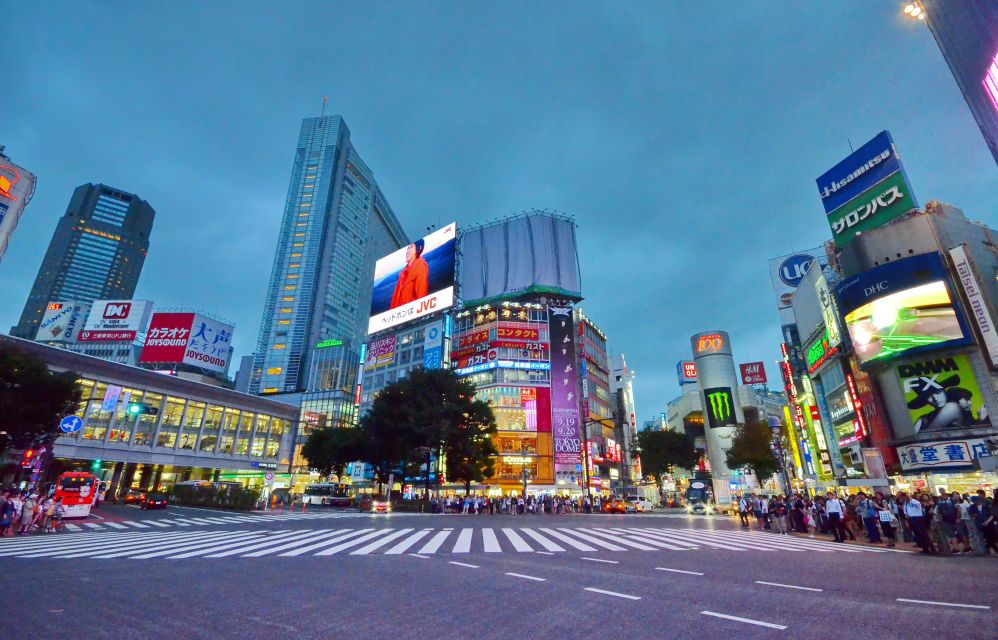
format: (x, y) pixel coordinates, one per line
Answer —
(71, 424)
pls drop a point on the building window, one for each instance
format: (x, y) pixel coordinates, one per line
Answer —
(279, 346)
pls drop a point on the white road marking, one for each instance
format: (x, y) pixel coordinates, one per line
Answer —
(787, 586)
(463, 544)
(490, 541)
(319, 545)
(759, 623)
(526, 577)
(228, 537)
(647, 538)
(115, 525)
(464, 564)
(368, 548)
(269, 542)
(92, 525)
(945, 604)
(692, 573)
(570, 541)
(137, 525)
(434, 544)
(592, 539)
(601, 560)
(403, 546)
(297, 543)
(72, 527)
(145, 543)
(517, 541)
(416, 555)
(547, 544)
(346, 545)
(613, 593)
(613, 536)
(544, 553)
(155, 523)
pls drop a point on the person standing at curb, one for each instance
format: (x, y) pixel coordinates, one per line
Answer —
(836, 511)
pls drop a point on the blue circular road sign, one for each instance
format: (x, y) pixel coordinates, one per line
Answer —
(71, 424)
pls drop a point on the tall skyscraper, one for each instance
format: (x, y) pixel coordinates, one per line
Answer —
(967, 35)
(336, 224)
(96, 253)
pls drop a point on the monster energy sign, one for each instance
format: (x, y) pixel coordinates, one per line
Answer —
(719, 406)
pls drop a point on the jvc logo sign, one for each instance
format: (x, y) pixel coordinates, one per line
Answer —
(117, 310)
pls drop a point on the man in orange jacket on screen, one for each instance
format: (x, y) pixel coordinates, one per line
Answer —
(414, 279)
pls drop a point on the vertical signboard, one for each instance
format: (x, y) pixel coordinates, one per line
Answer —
(566, 427)
(16, 188)
(977, 307)
(433, 347)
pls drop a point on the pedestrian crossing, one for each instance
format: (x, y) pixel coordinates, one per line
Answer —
(187, 543)
(201, 521)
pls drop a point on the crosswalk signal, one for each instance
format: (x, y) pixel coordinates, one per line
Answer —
(135, 408)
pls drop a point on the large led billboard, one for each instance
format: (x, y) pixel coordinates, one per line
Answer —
(414, 281)
(942, 394)
(901, 307)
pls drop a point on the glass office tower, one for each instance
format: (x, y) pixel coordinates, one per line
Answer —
(336, 224)
(967, 34)
(96, 253)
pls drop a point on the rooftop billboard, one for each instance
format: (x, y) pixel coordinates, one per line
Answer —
(414, 281)
(116, 320)
(188, 338)
(62, 321)
(866, 190)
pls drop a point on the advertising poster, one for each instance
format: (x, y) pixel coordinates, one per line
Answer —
(414, 281)
(719, 405)
(115, 320)
(942, 395)
(62, 321)
(686, 371)
(866, 190)
(787, 272)
(900, 307)
(380, 352)
(977, 305)
(753, 373)
(433, 347)
(187, 338)
(565, 423)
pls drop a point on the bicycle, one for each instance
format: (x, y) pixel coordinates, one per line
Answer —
(56, 525)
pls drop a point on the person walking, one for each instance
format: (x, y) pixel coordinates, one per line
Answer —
(743, 511)
(836, 516)
(28, 514)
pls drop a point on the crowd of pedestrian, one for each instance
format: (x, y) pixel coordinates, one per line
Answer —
(945, 524)
(517, 505)
(22, 512)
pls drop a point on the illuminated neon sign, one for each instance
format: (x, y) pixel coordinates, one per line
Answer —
(325, 344)
(857, 407)
(990, 82)
(709, 343)
(819, 353)
(6, 183)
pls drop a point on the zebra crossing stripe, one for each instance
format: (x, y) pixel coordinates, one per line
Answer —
(490, 541)
(343, 536)
(137, 525)
(403, 546)
(79, 551)
(656, 543)
(150, 543)
(517, 541)
(602, 534)
(350, 543)
(366, 549)
(155, 523)
(547, 544)
(115, 525)
(580, 546)
(310, 537)
(171, 550)
(675, 534)
(463, 544)
(266, 544)
(92, 525)
(73, 527)
(435, 542)
(235, 545)
(592, 540)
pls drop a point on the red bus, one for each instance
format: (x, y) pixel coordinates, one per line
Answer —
(79, 492)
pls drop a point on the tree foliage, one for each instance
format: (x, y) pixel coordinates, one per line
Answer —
(429, 410)
(751, 449)
(662, 451)
(33, 399)
(330, 450)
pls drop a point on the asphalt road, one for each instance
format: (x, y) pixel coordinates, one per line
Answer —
(186, 573)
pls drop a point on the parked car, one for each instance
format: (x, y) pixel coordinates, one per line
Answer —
(153, 501)
(640, 504)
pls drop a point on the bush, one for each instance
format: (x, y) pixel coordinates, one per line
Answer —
(227, 497)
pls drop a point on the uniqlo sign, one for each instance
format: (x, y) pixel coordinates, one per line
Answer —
(188, 338)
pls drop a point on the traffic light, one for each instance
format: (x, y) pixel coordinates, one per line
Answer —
(140, 408)
(28, 458)
(95, 466)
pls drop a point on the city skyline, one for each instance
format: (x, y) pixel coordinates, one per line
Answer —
(651, 186)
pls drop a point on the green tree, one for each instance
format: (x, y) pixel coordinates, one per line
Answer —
(663, 451)
(472, 454)
(33, 399)
(751, 449)
(429, 408)
(330, 450)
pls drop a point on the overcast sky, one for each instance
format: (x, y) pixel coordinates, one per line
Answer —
(684, 137)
